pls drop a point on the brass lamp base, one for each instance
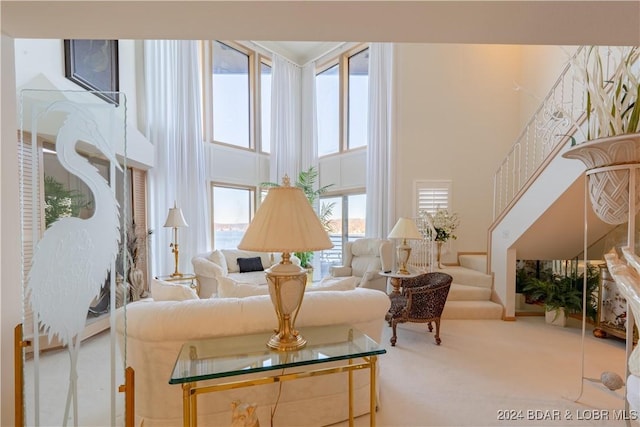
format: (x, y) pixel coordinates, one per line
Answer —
(403, 252)
(286, 287)
(287, 342)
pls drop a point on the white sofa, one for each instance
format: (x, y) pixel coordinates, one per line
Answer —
(209, 266)
(157, 329)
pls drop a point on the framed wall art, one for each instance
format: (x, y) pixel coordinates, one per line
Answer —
(93, 65)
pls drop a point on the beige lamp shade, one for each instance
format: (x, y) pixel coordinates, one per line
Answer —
(175, 218)
(285, 222)
(405, 228)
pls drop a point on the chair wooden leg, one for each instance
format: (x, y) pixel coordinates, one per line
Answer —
(430, 326)
(438, 341)
(394, 337)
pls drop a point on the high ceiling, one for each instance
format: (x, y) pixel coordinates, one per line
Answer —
(539, 22)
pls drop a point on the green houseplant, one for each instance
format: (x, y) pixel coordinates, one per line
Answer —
(60, 202)
(306, 181)
(562, 294)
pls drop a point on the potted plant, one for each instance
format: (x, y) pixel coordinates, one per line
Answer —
(307, 182)
(558, 296)
(562, 294)
(613, 127)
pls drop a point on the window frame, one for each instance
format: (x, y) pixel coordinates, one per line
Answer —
(344, 196)
(342, 60)
(262, 59)
(208, 87)
(253, 201)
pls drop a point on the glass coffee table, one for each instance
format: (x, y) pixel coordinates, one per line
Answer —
(231, 357)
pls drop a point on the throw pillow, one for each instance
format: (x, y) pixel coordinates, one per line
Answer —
(335, 284)
(167, 291)
(229, 288)
(250, 264)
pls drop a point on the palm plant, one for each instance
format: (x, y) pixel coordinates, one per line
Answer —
(306, 181)
(564, 291)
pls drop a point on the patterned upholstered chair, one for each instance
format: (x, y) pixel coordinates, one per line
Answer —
(422, 300)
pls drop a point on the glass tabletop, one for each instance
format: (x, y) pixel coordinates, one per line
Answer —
(238, 355)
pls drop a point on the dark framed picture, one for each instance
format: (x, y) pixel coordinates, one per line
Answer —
(93, 65)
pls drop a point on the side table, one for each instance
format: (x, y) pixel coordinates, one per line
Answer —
(189, 279)
(396, 279)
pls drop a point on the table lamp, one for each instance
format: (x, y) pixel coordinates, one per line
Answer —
(286, 222)
(404, 229)
(175, 219)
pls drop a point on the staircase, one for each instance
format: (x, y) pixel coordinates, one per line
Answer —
(470, 293)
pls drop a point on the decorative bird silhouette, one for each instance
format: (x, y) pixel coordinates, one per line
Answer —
(71, 261)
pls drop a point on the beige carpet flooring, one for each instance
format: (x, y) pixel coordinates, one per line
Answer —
(485, 370)
(496, 373)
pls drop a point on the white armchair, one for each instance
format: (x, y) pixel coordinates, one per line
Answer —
(365, 258)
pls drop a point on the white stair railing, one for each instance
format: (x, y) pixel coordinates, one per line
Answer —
(556, 120)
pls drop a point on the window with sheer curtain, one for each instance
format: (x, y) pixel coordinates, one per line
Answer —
(342, 101)
(237, 95)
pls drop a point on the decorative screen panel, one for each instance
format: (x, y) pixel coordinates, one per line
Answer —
(74, 200)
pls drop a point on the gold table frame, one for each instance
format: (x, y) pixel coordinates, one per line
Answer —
(191, 389)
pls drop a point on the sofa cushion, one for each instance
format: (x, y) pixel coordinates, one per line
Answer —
(229, 288)
(167, 291)
(361, 264)
(218, 257)
(247, 265)
(330, 283)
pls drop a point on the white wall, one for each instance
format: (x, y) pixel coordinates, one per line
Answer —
(40, 65)
(540, 67)
(457, 114)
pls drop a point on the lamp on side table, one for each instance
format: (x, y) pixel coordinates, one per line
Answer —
(404, 229)
(286, 222)
(175, 220)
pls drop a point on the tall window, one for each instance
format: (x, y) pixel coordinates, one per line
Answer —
(432, 195)
(342, 100)
(347, 224)
(328, 111)
(232, 209)
(358, 101)
(265, 107)
(231, 100)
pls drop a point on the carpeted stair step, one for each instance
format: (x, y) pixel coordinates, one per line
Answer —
(466, 276)
(477, 262)
(472, 310)
(468, 293)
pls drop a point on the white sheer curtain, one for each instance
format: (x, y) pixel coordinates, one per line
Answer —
(173, 106)
(380, 201)
(285, 119)
(309, 148)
